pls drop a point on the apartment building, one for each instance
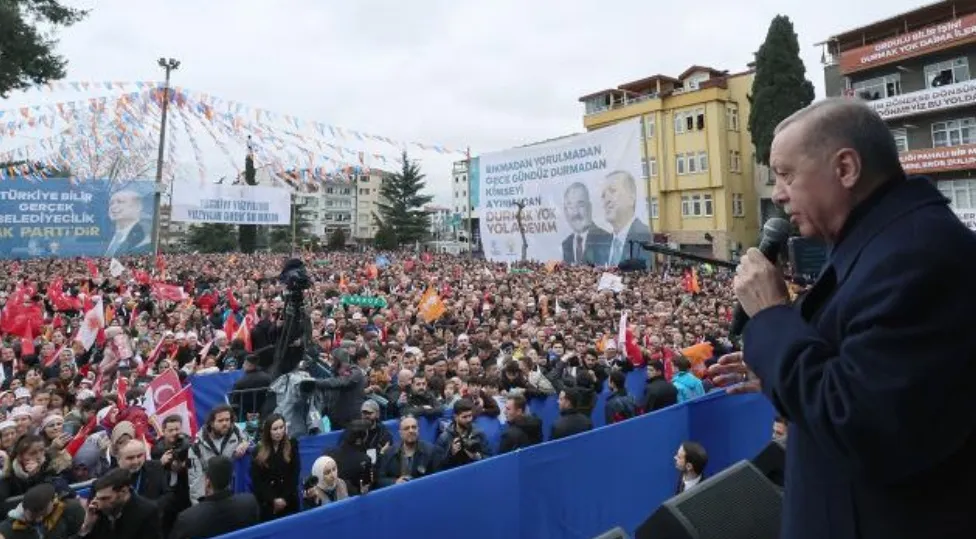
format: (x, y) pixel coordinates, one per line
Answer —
(916, 70)
(697, 155)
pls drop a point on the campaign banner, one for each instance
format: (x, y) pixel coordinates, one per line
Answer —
(56, 217)
(583, 200)
(195, 202)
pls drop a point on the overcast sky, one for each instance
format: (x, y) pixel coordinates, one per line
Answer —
(488, 74)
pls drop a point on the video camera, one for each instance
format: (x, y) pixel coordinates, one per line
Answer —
(294, 276)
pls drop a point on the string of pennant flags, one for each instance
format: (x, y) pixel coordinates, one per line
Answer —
(127, 125)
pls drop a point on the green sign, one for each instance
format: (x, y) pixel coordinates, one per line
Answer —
(364, 301)
(322, 262)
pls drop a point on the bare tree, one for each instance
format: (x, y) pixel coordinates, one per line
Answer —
(520, 204)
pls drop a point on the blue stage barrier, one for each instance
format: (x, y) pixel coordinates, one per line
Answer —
(572, 488)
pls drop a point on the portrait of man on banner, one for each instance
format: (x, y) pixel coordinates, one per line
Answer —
(619, 198)
(587, 243)
(131, 233)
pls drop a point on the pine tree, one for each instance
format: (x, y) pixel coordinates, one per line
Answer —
(247, 235)
(780, 86)
(337, 240)
(26, 53)
(401, 205)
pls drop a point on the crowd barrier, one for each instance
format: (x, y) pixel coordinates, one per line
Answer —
(569, 488)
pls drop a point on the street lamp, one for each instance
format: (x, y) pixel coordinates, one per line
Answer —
(169, 65)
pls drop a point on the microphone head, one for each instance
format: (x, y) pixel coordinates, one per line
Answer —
(776, 230)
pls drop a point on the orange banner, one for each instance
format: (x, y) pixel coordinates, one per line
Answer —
(909, 45)
(939, 159)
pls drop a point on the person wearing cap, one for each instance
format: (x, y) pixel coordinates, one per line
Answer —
(22, 396)
(43, 514)
(220, 511)
(8, 436)
(378, 437)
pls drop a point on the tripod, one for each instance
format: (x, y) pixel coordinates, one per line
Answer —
(295, 338)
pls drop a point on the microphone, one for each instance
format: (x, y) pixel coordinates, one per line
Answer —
(774, 235)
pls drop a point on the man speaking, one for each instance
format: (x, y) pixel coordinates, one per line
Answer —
(873, 367)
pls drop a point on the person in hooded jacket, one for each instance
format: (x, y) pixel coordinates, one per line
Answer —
(522, 429)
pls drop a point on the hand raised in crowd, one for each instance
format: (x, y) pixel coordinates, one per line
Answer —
(732, 371)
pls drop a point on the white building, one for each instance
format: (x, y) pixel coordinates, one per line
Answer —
(441, 222)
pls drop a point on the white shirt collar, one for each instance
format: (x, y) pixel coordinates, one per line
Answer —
(622, 234)
(689, 483)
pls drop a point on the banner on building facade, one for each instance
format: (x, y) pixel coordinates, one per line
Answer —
(61, 218)
(583, 199)
(206, 202)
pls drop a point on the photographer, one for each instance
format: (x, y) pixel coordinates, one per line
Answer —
(461, 443)
(172, 450)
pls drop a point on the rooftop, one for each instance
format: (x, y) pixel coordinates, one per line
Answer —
(902, 23)
(662, 85)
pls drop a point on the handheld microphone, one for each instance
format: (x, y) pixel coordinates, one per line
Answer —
(775, 233)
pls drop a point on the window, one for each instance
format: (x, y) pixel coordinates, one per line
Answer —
(953, 132)
(878, 88)
(644, 169)
(691, 164)
(654, 208)
(694, 82)
(696, 205)
(947, 72)
(901, 139)
(735, 161)
(680, 164)
(689, 120)
(732, 116)
(703, 161)
(652, 166)
(961, 193)
(738, 205)
(650, 126)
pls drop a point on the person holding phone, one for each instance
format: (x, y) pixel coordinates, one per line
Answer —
(115, 512)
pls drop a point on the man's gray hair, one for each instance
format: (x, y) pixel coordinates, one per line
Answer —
(629, 182)
(844, 122)
(577, 186)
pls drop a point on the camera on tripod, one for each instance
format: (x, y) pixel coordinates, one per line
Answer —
(294, 276)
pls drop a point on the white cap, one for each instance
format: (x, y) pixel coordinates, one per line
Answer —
(22, 393)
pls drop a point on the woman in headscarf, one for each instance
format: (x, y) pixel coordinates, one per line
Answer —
(52, 431)
(328, 488)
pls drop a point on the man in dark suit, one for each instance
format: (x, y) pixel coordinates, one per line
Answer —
(873, 367)
(221, 511)
(588, 244)
(620, 206)
(131, 236)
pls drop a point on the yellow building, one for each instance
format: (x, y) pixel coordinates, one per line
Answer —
(698, 155)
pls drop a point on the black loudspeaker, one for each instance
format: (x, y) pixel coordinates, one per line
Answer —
(771, 461)
(616, 533)
(737, 503)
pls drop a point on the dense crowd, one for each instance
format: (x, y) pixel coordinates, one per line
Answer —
(87, 345)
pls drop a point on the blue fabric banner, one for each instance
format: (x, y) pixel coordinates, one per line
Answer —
(62, 218)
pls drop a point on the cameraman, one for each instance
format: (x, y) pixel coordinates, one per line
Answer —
(172, 450)
(461, 443)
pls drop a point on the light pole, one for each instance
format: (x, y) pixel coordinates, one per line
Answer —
(169, 65)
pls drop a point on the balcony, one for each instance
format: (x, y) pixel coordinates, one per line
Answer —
(947, 159)
(619, 102)
(940, 98)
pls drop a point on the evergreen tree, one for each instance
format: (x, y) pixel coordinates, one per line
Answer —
(779, 88)
(211, 238)
(247, 235)
(401, 203)
(27, 54)
(385, 238)
(337, 240)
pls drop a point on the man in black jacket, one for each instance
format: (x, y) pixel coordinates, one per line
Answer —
(571, 421)
(118, 513)
(351, 388)
(522, 430)
(658, 393)
(250, 390)
(221, 511)
(409, 459)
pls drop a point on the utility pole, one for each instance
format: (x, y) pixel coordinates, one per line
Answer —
(169, 65)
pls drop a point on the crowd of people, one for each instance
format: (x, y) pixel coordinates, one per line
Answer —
(85, 339)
